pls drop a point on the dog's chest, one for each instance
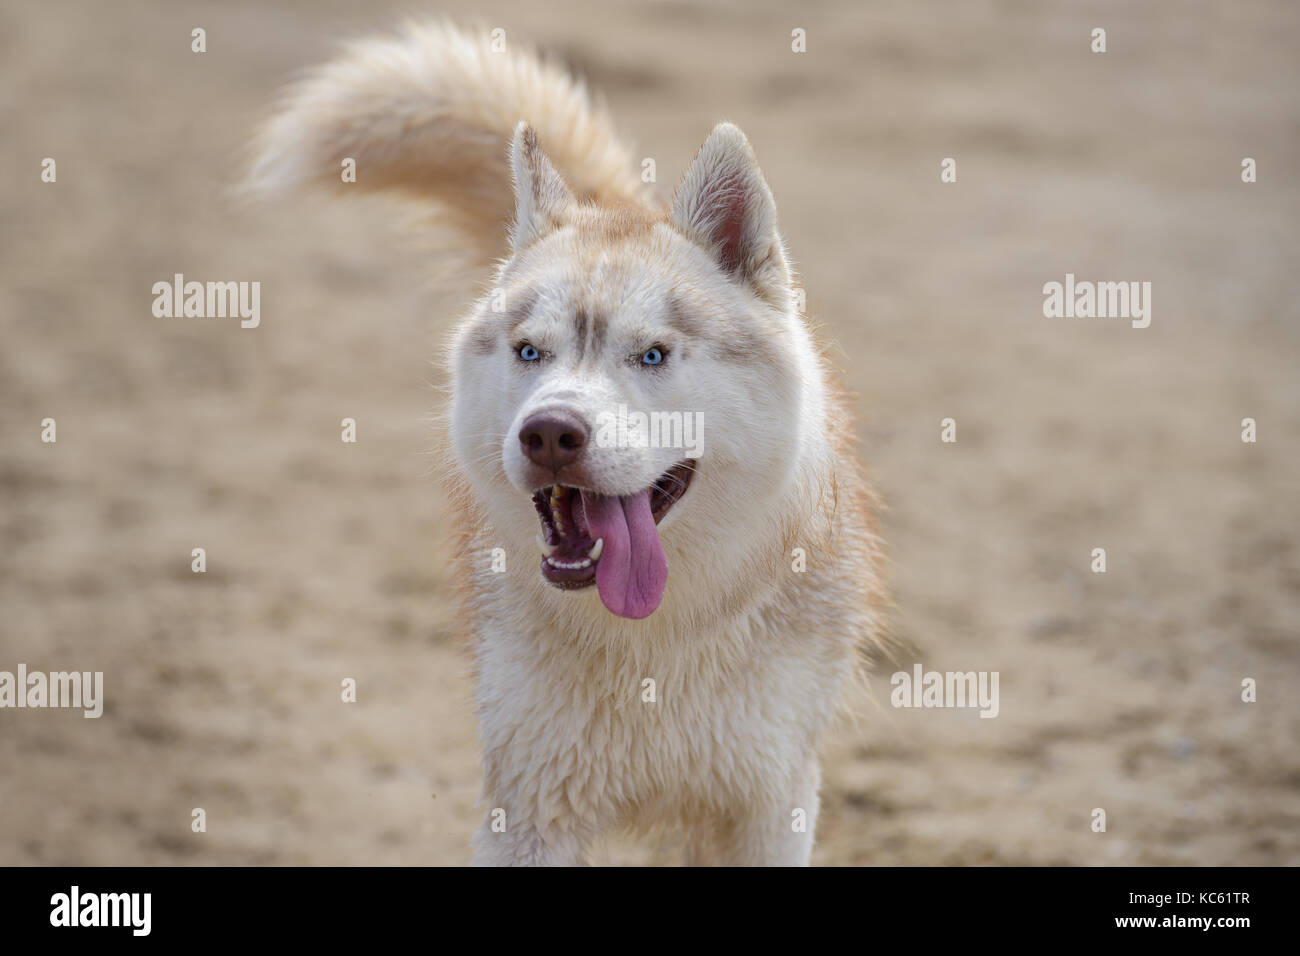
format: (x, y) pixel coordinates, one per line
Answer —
(644, 735)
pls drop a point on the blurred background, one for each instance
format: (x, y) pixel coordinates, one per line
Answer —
(326, 560)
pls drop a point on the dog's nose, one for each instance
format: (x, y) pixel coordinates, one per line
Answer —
(553, 438)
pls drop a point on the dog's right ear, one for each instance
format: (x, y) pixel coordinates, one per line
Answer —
(541, 195)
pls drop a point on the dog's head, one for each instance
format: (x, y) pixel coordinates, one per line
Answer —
(631, 387)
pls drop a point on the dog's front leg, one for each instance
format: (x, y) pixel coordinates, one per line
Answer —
(775, 833)
(525, 845)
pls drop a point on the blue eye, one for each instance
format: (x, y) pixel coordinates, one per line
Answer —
(529, 353)
(652, 357)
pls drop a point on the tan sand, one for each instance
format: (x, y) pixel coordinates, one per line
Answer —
(326, 560)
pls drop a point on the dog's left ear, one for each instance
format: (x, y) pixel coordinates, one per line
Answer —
(724, 204)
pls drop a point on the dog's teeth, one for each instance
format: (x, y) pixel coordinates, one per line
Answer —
(549, 551)
(559, 491)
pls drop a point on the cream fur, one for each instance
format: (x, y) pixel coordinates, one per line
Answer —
(752, 660)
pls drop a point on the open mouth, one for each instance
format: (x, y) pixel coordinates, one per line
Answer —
(611, 541)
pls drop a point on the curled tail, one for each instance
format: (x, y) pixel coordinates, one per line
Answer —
(431, 113)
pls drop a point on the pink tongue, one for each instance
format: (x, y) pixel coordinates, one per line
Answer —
(632, 569)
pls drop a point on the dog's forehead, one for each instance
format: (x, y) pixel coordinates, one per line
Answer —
(603, 285)
(599, 316)
(581, 287)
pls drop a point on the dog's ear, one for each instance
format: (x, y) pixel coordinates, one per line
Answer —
(541, 195)
(724, 204)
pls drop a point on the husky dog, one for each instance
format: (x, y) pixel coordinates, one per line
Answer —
(674, 630)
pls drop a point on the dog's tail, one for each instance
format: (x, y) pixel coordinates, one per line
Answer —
(431, 113)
